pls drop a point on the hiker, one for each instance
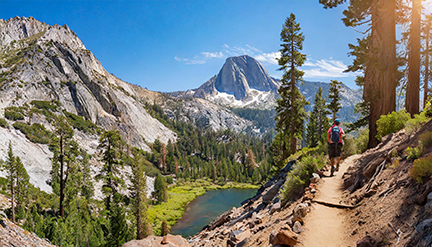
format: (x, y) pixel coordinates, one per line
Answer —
(334, 138)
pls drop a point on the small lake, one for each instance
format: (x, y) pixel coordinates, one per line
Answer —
(206, 208)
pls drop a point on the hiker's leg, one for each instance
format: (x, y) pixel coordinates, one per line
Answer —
(337, 163)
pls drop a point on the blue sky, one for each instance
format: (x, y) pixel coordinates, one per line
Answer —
(178, 45)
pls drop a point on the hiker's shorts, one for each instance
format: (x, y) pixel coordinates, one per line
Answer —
(335, 150)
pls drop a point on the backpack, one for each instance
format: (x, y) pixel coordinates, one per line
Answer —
(335, 134)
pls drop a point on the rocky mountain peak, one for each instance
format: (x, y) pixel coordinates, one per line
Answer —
(241, 74)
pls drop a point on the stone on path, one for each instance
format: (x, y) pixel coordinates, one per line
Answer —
(284, 237)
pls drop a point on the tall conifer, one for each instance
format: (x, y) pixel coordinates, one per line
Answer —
(290, 107)
(318, 121)
(334, 106)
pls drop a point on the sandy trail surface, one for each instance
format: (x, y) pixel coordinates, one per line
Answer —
(327, 226)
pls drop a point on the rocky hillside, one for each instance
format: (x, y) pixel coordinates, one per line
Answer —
(44, 63)
(382, 197)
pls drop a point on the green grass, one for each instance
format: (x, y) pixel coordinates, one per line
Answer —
(179, 196)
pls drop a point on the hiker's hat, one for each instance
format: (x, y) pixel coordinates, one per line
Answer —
(337, 121)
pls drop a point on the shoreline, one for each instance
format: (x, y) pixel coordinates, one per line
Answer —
(179, 198)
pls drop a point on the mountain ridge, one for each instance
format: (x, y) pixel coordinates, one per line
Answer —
(243, 82)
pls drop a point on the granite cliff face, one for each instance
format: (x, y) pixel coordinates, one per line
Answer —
(50, 63)
(42, 62)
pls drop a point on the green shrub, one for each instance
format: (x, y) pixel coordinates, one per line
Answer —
(350, 146)
(415, 152)
(169, 179)
(415, 123)
(80, 123)
(46, 105)
(422, 168)
(3, 122)
(391, 123)
(35, 133)
(362, 140)
(426, 138)
(300, 174)
(15, 113)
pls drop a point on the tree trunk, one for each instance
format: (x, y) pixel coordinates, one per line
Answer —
(380, 73)
(412, 100)
(426, 78)
(13, 199)
(61, 178)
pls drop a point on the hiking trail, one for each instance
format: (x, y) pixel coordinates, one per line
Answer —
(328, 226)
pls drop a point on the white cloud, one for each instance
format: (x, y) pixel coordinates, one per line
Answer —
(325, 68)
(229, 51)
(268, 58)
(213, 54)
(190, 61)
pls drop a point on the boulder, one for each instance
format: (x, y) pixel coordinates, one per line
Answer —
(154, 241)
(315, 178)
(425, 224)
(367, 241)
(297, 227)
(284, 237)
(271, 192)
(275, 207)
(221, 219)
(429, 197)
(300, 211)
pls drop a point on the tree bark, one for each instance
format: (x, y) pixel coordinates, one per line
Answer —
(380, 73)
(13, 199)
(412, 100)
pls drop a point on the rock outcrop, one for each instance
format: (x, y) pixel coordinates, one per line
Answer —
(155, 241)
(13, 235)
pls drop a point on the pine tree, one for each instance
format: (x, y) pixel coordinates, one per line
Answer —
(334, 106)
(10, 168)
(160, 188)
(290, 107)
(17, 181)
(318, 121)
(22, 186)
(110, 144)
(119, 232)
(138, 192)
(65, 151)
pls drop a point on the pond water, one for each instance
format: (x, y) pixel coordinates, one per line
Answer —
(206, 208)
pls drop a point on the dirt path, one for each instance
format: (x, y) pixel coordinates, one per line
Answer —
(325, 226)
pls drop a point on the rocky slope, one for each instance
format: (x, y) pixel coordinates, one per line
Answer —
(50, 63)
